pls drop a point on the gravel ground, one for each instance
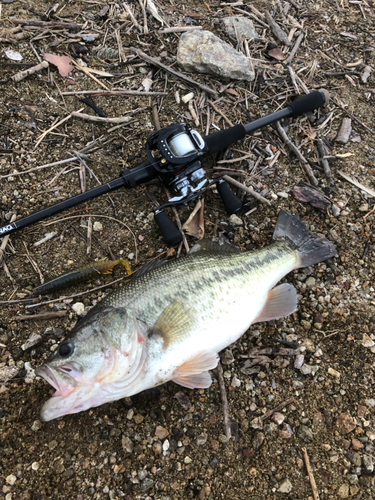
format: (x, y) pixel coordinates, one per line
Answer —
(170, 443)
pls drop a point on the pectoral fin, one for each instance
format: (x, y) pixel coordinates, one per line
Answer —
(198, 381)
(173, 323)
(193, 374)
(281, 302)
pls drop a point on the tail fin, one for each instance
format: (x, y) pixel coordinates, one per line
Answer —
(310, 248)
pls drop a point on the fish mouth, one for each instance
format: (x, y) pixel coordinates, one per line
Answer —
(59, 378)
(64, 399)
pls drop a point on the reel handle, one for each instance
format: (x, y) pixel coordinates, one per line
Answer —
(231, 203)
(171, 235)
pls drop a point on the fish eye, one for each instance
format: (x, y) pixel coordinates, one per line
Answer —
(65, 349)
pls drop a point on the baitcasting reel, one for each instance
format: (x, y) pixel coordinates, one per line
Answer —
(174, 156)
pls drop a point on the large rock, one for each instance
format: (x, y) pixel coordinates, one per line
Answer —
(239, 27)
(202, 52)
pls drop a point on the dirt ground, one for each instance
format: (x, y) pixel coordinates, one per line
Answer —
(171, 444)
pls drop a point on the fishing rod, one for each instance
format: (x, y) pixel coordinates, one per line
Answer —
(174, 156)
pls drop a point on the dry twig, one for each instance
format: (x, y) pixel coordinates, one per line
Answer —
(100, 119)
(246, 189)
(277, 31)
(296, 151)
(29, 71)
(323, 161)
(36, 317)
(224, 400)
(311, 476)
(359, 185)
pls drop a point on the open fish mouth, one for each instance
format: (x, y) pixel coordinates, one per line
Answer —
(59, 379)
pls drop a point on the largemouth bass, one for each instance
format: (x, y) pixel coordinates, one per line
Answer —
(171, 322)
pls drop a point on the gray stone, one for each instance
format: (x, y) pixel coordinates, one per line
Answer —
(305, 433)
(8, 372)
(202, 52)
(239, 27)
(368, 464)
(147, 484)
(258, 440)
(343, 491)
(127, 444)
(32, 341)
(354, 458)
(235, 220)
(285, 487)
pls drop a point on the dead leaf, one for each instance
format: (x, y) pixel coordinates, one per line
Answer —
(232, 92)
(195, 223)
(277, 54)
(62, 63)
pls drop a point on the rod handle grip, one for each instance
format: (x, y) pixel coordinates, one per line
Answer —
(231, 203)
(308, 102)
(171, 235)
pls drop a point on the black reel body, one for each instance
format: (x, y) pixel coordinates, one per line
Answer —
(177, 149)
(175, 153)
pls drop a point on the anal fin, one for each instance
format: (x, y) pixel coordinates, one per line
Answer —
(281, 302)
(193, 374)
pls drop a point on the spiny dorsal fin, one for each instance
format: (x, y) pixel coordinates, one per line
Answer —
(215, 245)
(173, 323)
(149, 266)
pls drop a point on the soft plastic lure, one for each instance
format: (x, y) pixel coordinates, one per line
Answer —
(85, 273)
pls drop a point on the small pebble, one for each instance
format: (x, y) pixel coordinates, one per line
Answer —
(202, 439)
(187, 460)
(235, 382)
(32, 341)
(234, 220)
(368, 463)
(285, 487)
(11, 479)
(343, 491)
(345, 423)
(278, 418)
(78, 308)
(161, 432)
(138, 419)
(298, 362)
(336, 210)
(97, 226)
(37, 425)
(334, 373)
(356, 445)
(35, 465)
(127, 444)
(183, 400)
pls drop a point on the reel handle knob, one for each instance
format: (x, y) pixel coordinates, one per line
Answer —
(230, 201)
(171, 235)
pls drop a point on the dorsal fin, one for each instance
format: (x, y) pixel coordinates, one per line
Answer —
(149, 266)
(215, 245)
